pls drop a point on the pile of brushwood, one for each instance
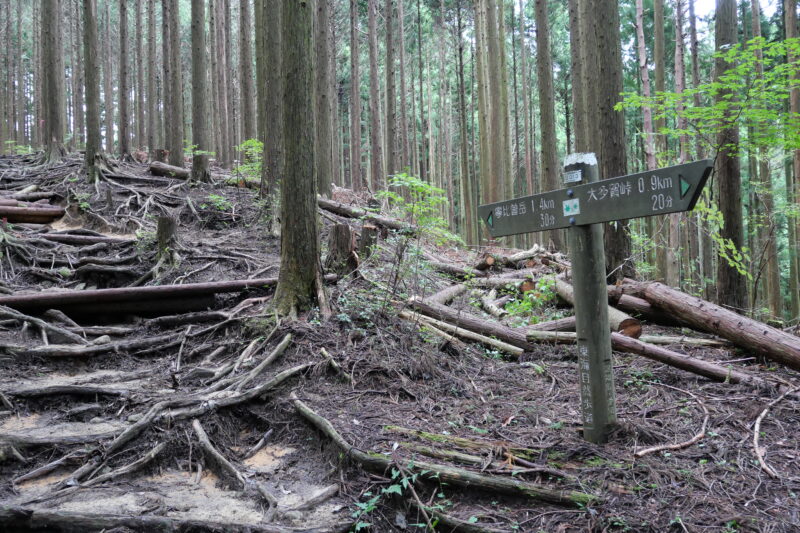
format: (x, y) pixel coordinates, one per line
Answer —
(147, 385)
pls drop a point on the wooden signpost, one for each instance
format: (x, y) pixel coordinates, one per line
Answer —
(583, 206)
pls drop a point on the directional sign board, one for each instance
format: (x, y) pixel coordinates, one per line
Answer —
(655, 192)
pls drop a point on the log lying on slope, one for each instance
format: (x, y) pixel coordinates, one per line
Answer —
(35, 215)
(162, 169)
(526, 339)
(618, 320)
(61, 299)
(742, 331)
(357, 212)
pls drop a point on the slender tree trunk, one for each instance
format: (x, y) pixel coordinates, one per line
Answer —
(300, 271)
(199, 91)
(38, 110)
(323, 128)
(644, 73)
(108, 85)
(485, 177)
(78, 70)
(246, 70)
(176, 88)
(274, 144)
(139, 59)
(152, 98)
(231, 82)
(22, 131)
(660, 224)
(526, 102)
(52, 81)
(673, 273)
(376, 156)
(92, 66)
(731, 284)
(467, 198)
(406, 157)
(423, 167)
(544, 69)
(124, 91)
(390, 122)
(790, 15)
(355, 100)
(166, 79)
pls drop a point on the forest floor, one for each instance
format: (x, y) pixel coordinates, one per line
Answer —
(211, 418)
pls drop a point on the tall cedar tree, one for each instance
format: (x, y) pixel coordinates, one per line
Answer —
(52, 71)
(175, 142)
(199, 97)
(790, 21)
(92, 65)
(301, 272)
(731, 284)
(355, 100)
(544, 70)
(323, 129)
(375, 151)
(124, 90)
(246, 71)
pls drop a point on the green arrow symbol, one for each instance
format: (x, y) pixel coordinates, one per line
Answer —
(490, 221)
(685, 186)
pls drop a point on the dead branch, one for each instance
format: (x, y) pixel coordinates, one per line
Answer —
(760, 450)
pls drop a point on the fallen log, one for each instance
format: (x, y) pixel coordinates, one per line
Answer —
(158, 168)
(83, 239)
(485, 262)
(60, 299)
(643, 309)
(36, 215)
(684, 362)
(357, 212)
(461, 332)
(740, 330)
(448, 294)
(512, 336)
(457, 271)
(618, 320)
(444, 473)
(561, 324)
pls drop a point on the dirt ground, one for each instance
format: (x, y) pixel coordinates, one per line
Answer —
(401, 393)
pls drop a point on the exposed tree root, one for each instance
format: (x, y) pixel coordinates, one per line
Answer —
(444, 473)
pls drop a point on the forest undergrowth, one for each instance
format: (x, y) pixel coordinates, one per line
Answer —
(208, 413)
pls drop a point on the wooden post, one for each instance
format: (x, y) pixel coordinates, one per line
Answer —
(595, 368)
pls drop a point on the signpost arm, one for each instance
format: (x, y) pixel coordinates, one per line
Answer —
(595, 365)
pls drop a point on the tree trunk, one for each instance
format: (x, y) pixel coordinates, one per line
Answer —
(166, 81)
(92, 66)
(77, 70)
(731, 284)
(526, 128)
(705, 316)
(199, 91)
(246, 71)
(673, 274)
(790, 13)
(355, 100)
(391, 102)
(323, 128)
(376, 155)
(274, 150)
(578, 90)
(139, 59)
(342, 258)
(404, 142)
(467, 188)
(52, 70)
(300, 263)
(544, 70)
(175, 80)
(124, 91)
(152, 98)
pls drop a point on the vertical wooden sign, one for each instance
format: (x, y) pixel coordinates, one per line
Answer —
(595, 365)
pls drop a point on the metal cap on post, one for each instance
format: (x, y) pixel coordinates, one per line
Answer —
(595, 368)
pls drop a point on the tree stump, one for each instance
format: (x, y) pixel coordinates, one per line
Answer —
(342, 258)
(368, 240)
(167, 238)
(161, 155)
